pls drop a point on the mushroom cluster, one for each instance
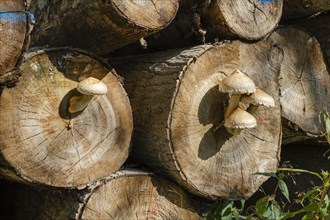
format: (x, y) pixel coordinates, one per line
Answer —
(243, 94)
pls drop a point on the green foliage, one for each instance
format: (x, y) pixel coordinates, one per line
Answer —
(313, 204)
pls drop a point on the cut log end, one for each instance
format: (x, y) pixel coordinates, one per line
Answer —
(14, 33)
(133, 194)
(46, 144)
(304, 79)
(149, 14)
(180, 114)
(247, 19)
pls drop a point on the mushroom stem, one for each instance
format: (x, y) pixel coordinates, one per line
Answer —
(232, 104)
(87, 88)
(79, 103)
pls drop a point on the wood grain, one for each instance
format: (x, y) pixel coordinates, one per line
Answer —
(177, 107)
(45, 144)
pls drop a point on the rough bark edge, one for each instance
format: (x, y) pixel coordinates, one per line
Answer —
(181, 75)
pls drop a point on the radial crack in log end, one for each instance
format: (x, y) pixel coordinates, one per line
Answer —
(187, 140)
(304, 80)
(250, 20)
(43, 142)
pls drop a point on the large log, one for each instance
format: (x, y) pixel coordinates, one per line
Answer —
(250, 20)
(41, 142)
(98, 26)
(178, 116)
(15, 27)
(127, 194)
(304, 84)
(298, 8)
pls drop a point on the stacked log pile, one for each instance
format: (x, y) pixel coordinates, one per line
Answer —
(203, 93)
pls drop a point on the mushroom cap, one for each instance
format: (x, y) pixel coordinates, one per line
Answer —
(237, 82)
(259, 97)
(240, 119)
(92, 86)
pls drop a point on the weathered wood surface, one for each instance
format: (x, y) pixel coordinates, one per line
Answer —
(298, 8)
(15, 27)
(41, 142)
(304, 84)
(319, 26)
(178, 114)
(127, 194)
(98, 26)
(250, 20)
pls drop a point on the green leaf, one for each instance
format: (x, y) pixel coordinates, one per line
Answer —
(274, 211)
(284, 189)
(310, 207)
(261, 206)
(249, 217)
(266, 174)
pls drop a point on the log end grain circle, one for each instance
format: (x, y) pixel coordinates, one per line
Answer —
(136, 193)
(304, 79)
(46, 144)
(251, 19)
(213, 161)
(179, 114)
(150, 14)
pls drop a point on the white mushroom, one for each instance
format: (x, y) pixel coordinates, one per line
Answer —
(88, 88)
(259, 97)
(236, 84)
(238, 120)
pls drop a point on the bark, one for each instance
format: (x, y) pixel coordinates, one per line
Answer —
(15, 27)
(98, 26)
(304, 84)
(178, 112)
(126, 194)
(42, 143)
(250, 20)
(298, 8)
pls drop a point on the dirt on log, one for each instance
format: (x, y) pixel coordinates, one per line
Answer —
(126, 194)
(98, 26)
(178, 115)
(15, 27)
(41, 142)
(304, 84)
(298, 8)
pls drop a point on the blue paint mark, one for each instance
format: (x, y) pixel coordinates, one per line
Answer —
(266, 1)
(13, 16)
(31, 17)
